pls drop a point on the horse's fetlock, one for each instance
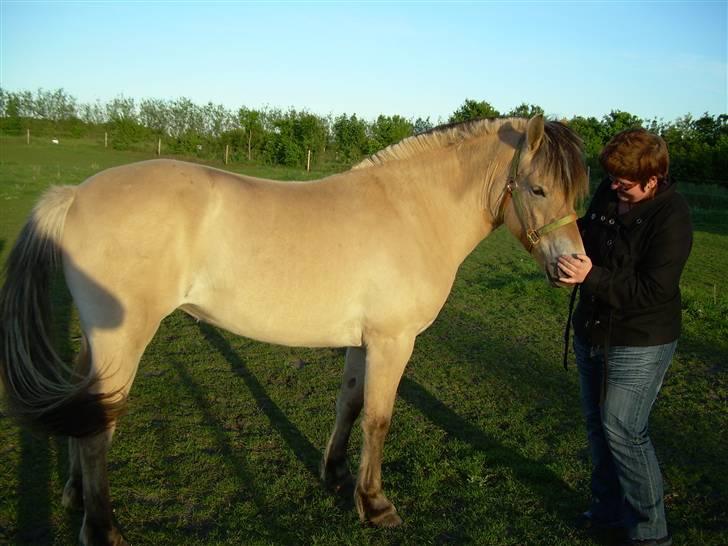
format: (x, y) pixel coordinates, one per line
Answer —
(376, 508)
(101, 535)
(72, 496)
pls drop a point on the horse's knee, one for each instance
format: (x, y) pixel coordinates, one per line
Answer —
(376, 425)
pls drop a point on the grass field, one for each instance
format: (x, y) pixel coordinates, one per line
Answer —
(223, 436)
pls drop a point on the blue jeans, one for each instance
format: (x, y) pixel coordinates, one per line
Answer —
(626, 481)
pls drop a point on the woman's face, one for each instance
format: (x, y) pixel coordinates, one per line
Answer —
(632, 192)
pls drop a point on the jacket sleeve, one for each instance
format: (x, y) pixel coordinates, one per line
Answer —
(656, 274)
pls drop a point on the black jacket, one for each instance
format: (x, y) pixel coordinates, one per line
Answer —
(632, 296)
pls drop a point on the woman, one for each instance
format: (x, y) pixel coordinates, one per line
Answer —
(637, 237)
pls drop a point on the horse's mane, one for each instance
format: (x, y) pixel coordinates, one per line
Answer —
(439, 137)
(561, 152)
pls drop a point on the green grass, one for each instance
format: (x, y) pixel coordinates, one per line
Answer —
(223, 436)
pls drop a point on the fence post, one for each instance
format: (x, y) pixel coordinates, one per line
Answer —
(27, 136)
(106, 139)
(159, 146)
(227, 150)
(308, 162)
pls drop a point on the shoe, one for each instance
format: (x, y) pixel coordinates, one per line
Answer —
(664, 541)
(586, 522)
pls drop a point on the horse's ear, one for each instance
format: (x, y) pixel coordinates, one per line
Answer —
(534, 132)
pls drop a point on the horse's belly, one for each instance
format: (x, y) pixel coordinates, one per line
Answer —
(273, 324)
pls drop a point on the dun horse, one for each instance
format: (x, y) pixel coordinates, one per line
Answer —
(364, 259)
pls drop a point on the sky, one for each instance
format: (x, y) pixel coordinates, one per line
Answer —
(655, 59)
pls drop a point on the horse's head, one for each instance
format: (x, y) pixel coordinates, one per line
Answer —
(547, 175)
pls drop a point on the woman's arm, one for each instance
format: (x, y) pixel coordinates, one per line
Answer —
(654, 278)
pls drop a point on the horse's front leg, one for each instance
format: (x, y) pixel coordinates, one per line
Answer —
(334, 468)
(385, 362)
(98, 527)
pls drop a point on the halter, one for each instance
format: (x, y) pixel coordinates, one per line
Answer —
(532, 235)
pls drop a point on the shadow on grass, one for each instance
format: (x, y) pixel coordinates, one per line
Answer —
(511, 363)
(230, 455)
(304, 450)
(534, 474)
(34, 478)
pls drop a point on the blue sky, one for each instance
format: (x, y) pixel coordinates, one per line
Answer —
(655, 59)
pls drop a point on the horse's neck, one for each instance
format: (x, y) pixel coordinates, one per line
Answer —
(456, 187)
(483, 174)
(496, 168)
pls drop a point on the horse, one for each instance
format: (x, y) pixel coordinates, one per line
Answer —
(363, 259)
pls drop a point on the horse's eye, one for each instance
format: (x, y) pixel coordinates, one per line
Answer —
(537, 190)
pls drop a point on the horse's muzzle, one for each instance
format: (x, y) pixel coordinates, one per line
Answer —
(553, 276)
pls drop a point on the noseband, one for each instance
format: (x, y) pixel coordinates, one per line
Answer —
(514, 190)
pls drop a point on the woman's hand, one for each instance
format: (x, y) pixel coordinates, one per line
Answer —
(574, 267)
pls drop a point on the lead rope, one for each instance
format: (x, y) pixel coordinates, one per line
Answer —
(567, 328)
(567, 331)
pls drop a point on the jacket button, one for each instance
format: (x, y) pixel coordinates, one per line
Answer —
(597, 323)
(639, 220)
(611, 221)
(609, 242)
(603, 218)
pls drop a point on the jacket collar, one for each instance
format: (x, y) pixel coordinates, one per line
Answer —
(643, 209)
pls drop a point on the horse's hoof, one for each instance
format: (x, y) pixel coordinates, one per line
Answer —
(376, 509)
(91, 537)
(391, 519)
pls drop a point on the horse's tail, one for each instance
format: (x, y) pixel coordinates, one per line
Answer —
(41, 389)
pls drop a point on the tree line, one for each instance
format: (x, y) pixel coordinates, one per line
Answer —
(698, 145)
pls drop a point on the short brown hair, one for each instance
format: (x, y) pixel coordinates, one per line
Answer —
(637, 155)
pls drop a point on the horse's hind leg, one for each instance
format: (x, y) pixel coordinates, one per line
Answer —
(385, 363)
(115, 356)
(73, 491)
(334, 468)
(98, 526)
